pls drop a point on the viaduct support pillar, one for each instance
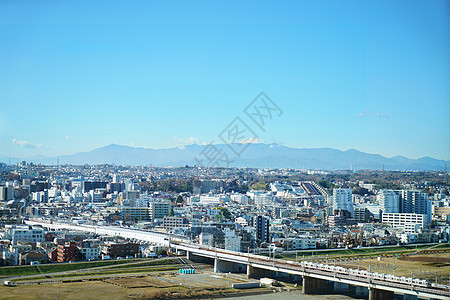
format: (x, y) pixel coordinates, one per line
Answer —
(375, 294)
(313, 285)
(249, 271)
(222, 266)
(257, 273)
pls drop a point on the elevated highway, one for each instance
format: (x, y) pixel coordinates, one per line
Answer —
(380, 286)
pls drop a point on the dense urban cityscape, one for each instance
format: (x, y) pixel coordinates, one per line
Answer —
(233, 209)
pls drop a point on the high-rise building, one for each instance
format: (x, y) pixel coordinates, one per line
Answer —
(261, 225)
(362, 214)
(6, 193)
(117, 178)
(342, 200)
(388, 201)
(416, 202)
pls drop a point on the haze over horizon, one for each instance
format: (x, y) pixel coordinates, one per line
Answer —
(371, 76)
(182, 146)
(254, 155)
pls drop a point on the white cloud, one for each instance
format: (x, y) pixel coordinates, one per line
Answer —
(367, 113)
(67, 137)
(382, 115)
(26, 144)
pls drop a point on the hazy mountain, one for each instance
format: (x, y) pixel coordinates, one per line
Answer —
(257, 155)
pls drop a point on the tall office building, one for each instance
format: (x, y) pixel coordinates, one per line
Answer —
(389, 201)
(342, 201)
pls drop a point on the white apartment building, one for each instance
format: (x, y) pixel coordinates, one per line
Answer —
(241, 199)
(260, 197)
(95, 196)
(158, 210)
(214, 199)
(232, 241)
(389, 201)
(342, 200)
(297, 243)
(241, 221)
(41, 197)
(411, 223)
(24, 233)
(91, 253)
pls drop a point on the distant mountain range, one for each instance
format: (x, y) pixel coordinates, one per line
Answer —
(256, 155)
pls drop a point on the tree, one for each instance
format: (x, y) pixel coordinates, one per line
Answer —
(225, 213)
(325, 184)
(161, 252)
(179, 199)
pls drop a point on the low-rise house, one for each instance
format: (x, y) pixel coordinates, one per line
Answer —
(32, 256)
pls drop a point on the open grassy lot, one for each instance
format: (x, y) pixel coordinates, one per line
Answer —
(78, 290)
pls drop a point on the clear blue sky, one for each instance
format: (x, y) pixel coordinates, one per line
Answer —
(368, 75)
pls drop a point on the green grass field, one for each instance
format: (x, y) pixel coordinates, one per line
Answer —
(106, 272)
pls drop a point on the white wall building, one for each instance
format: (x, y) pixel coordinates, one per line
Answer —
(411, 223)
(389, 201)
(342, 200)
(260, 197)
(206, 239)
(24, 233)
(241, 199)
(216, 199)
(232, 241)
(91, 253)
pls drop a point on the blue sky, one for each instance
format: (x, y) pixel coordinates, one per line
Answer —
(368, 75)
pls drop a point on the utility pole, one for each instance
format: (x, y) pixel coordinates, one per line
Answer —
(273, 260)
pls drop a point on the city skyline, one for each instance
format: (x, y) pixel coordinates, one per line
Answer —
(366, 76)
